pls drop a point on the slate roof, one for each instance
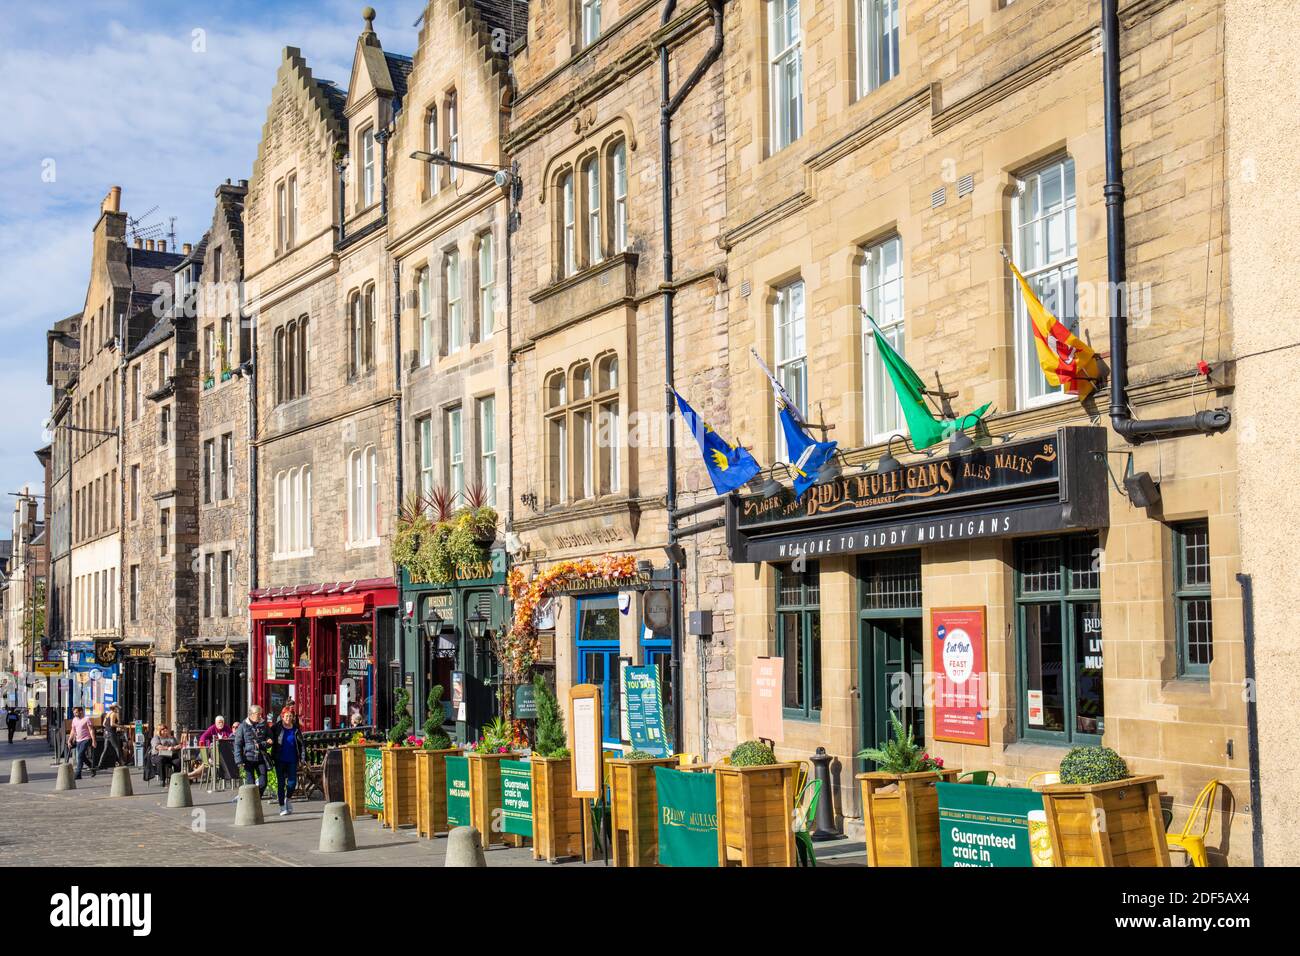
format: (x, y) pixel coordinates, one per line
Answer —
(336, 97)
(508, 15)
(399, 68)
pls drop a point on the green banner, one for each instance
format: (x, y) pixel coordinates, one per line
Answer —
(374, 780)
(688, 818)
(517, 796)
(985, 826)
(457, 791)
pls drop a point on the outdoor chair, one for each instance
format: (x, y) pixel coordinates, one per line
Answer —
(1193, 844)
(981, 778)
(1047, 778)
(806, 805)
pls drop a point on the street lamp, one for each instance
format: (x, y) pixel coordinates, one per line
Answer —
(478, 622)
(503, 176)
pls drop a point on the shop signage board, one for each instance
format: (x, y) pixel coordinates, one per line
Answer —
(526, 702)
(959, 650)
(586, 755)
(766, 679)
(48, 667)
(457, 791)
(643, 698)
(517, 797)
(990, 826)
(374, 780)
(687, 818)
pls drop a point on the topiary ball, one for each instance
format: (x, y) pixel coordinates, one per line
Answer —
(752, 753)
(638, 755)
(1092, 765)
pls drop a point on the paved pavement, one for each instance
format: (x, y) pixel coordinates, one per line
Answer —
(86, 827)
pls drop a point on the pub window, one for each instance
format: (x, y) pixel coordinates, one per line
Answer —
(882, 298)
(1194, 616)
(1046, 250)
(1059, 639)
(785, 65)
(799, 638)
(878, 23)
(791, 349)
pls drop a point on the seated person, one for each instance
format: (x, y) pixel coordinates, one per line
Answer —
(218, 731)
(168, 761)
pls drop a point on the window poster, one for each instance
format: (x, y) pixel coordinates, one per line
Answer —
(960, 656)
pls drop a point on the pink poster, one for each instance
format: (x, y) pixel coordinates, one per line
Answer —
(767, 675)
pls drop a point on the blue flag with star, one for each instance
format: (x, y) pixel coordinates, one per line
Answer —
(728, 467)
(806, 454)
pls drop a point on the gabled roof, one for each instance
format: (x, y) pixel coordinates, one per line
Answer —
(321, 97)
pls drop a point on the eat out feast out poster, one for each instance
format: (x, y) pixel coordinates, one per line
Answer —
(960, 656)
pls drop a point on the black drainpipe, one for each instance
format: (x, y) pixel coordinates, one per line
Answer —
(1252, 716)
(1122, 421)
(668, 105)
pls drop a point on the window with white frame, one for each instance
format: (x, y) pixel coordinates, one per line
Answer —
(424, 295)
(791, 349)
(878, 23)
(451, 281)
(609, 428)
(227, 582)
(785, 70)
(293, 508)
(618, 162)
(432, 170)
(363, 496)
(135, 592)
(557, 439)
(590, 16)
(455, 456)
(487, 276)
(487, 447)
(882, 298)
(368, 167)
(210, 584)
(209, 470)
(1046, 251)
(453, 136)
(281, 217)
(292, 217)
(227, 486)
(424, 433)
(568, 239)
(591, 181)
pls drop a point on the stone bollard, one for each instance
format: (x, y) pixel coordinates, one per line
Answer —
(465, 848)
(336, 835)
(18, 771)
(65, 780)
(248, 812)
(121, 783)
(178, 792)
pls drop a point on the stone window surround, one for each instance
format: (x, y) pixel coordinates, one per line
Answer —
(471, 445)
(369, 455)
(364, 364)
(594, 402)
(285, 235)
(436, 263)
(598, 144)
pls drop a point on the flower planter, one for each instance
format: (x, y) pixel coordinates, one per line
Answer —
(1106, 824)
(635, 810)
(485, 797)
(208, 383)
(227, 375)
(399, 787)
(431, 791)
(901, 816)
(354, 778)
(557, 817)
(755, 806)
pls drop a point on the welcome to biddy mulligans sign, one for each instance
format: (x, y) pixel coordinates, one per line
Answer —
(75, 909)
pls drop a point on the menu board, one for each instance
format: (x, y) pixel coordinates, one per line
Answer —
(586, 756)
(960, 655)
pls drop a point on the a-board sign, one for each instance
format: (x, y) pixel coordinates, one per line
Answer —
(586, 755)
(458, 791)
(517, 797)
(991, 826)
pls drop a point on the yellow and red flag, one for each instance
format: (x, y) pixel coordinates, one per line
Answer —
(1066, 359)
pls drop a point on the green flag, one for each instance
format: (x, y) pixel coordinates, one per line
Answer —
(926, 430)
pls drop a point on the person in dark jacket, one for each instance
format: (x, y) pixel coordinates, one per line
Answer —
(286, 751)
(253, 748)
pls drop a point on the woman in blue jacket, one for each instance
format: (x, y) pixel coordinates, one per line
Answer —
(286, 752)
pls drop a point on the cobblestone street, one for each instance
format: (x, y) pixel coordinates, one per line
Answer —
(86, 827)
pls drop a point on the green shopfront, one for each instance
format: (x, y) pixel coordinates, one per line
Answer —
(447, 632)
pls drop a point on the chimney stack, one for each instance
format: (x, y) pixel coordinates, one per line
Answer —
(186, 249)
(113, 201)
(148, 244)
(139, 243)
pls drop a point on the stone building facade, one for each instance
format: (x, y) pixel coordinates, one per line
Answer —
(320, 287)
(881, 164)
(62, 354)
(448, 242)
(589, 406)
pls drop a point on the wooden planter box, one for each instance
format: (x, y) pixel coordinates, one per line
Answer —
(485, 797)
(755, 806)
(354, 778)
(1106, 824)
(901, 815)
(399, 787)
(634, 812)
(557, 817)
(431, 791)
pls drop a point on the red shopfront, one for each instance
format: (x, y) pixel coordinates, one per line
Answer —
(327, 648)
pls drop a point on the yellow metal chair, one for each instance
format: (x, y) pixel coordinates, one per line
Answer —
(685, 760)
(725, 760)
(1046, 777)
(801, 776)
(1193, 844)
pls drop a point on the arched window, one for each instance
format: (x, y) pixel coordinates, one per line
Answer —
(301, 358)
(618, 182)
(557, 440)
(368, 329)
(609, 426)
(355, 320)
(568, 239)
(591, 194)
(363, 496)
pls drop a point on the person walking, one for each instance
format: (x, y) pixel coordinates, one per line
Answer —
(82, 736)
(112, 738)
(11, 721)
(252, 748)
(286, 751)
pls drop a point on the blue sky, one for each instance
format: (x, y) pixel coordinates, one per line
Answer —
(128, 94)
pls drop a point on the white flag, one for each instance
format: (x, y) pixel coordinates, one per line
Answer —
(782, 396)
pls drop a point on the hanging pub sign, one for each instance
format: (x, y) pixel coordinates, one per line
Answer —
(1040, 484)
(960, 655)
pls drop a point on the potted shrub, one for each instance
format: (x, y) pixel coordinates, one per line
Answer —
(354, 774)
(900, 805)
(1099, 815)
(755, 801)
(634, 807)
(399, 766)
(431, 770)
(557, 816)
(485, 758)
